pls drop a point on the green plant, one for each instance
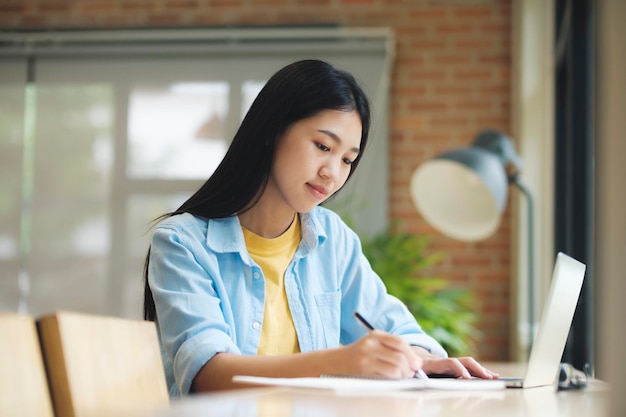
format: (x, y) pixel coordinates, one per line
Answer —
(443, 312)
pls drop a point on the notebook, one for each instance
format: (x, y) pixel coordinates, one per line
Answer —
(556, 319)
(355, 384)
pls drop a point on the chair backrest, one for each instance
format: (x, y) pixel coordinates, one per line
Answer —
(23, 384)
(99, 366)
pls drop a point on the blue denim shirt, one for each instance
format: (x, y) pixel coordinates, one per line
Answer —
(209, 294)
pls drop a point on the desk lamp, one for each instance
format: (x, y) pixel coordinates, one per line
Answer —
(463, 192)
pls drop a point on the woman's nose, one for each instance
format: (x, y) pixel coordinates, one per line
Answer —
(329, 170)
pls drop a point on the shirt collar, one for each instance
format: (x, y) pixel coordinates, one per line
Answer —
(313, 233)
(225, 234)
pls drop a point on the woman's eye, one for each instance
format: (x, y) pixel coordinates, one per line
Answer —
(347, 161)
(323, 147)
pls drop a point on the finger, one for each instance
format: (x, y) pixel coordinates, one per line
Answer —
(393, 359)
(399, 345)
(464, 367)
(459, 369)
(396, 343)
(447, 366)
(406, 366)
(476, 369)
(387, 369)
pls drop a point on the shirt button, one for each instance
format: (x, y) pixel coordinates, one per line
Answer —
(256, 325)
(256, 274)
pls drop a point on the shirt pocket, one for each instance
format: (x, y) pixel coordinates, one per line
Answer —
(329, 309)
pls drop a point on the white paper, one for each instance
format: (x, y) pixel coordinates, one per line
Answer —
(338, 383)
(358, 384)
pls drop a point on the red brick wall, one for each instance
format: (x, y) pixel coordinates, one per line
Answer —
(451, 79)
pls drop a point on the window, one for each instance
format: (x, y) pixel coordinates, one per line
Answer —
(99, 136)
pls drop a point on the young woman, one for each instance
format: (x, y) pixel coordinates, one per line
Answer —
(251, 276)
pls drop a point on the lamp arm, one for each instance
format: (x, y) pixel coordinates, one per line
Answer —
(530, 240)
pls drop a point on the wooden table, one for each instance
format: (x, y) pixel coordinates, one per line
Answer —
(296, 402)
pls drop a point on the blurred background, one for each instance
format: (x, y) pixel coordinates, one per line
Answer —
(113, 112)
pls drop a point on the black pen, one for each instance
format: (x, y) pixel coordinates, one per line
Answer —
(364, 322)
(369, 327)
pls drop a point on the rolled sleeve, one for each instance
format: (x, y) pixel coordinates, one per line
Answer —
(195, 353)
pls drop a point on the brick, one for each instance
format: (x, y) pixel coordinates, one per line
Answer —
(479, 12)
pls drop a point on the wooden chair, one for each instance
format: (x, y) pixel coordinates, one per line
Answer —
(23, 384)
(102, 366)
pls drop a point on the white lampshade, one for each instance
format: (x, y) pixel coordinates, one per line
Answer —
(462, 193)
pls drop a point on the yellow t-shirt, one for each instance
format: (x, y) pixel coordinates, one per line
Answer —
(278, 334)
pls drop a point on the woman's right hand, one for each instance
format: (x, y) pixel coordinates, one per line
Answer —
(378, 354)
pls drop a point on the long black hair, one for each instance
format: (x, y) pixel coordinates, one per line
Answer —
(297, 91)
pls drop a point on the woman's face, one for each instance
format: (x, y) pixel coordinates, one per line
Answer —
(313, 159)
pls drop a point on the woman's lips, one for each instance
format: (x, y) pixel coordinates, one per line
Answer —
(318, 190)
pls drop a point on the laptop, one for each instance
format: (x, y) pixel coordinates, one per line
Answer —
(556, 320)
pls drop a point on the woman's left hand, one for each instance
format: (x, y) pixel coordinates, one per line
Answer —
(464, 367)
